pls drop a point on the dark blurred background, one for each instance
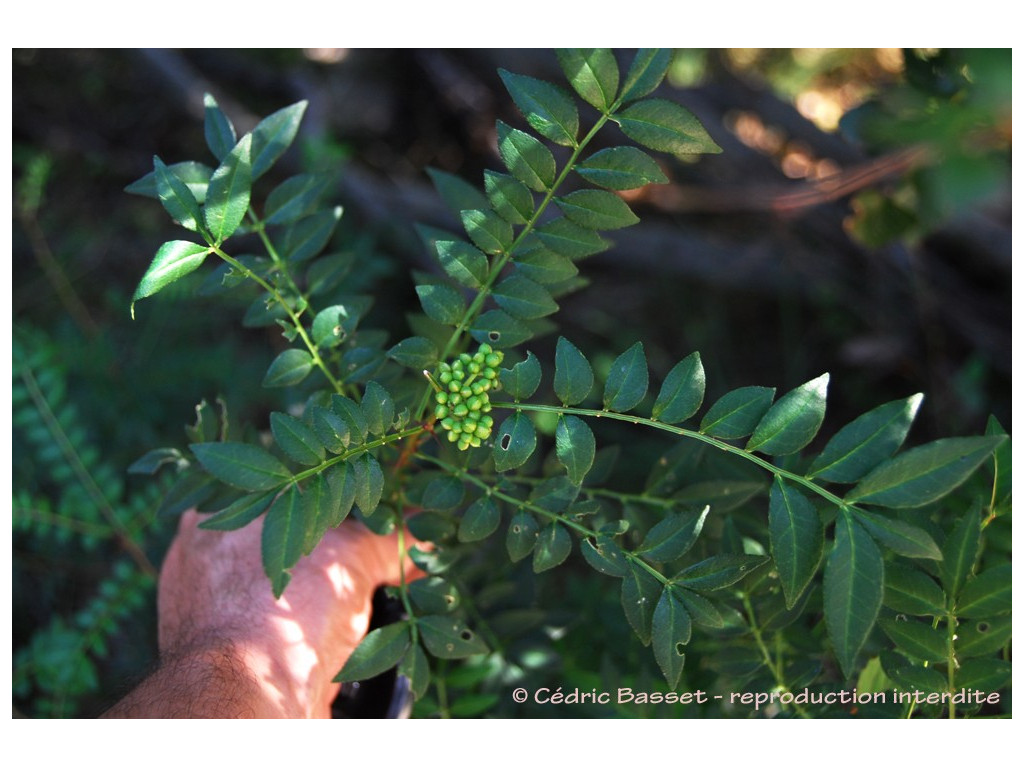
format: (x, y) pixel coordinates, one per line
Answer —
(858, 221)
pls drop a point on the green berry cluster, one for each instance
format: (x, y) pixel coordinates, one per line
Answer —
(463, 405)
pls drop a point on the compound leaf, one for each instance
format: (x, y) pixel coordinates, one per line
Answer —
(509, 197)
(645, 73)
(172, 261)
(462, 262)
(522, 380)
(902, 538)
(217, 128)
(672, 537)
(283, 538)
(523, 298)
(448, 638)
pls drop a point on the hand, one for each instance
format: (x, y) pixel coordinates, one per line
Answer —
(218, 617)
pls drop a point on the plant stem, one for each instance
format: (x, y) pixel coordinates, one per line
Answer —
(712, 441)
(774, 667)
(292, 315)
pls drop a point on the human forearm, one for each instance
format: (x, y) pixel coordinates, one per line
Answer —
(215, 681)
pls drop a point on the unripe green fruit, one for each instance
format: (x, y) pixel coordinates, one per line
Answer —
(441, 397)
(441, 411)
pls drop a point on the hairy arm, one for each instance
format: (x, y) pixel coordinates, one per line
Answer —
(228, 649)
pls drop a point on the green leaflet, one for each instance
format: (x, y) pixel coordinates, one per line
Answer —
(553, 546)
(514, 442)
(574, 378)
(289, 368)
(331, 429)
(307, 237)
(522, 535)
(673, 536)
(488, 231)
(670, 632)
(596, 209)
(462, 262)
(296, 439)
(902, 538)
(917, 639)
(378, 408)
(319, 507)
(458, 194)
(575, 447)
(982, 638)
(509, 197)
(434, 595)
(415, 352)
(369, 482)
(866, 442)
(499, 329)
(442, 303)
(682, 392)
(593, 74)
(172, 261)
(526, 158)
(542, 265)
(342, 479)
(546, 107)
(719, 571)
(645, 73)
(227, 196)
(627, 380)
(416, 667)
(379, 651)
(910, 590)
(273, 135)
(443, 492)
(924, 474)
(294, 198)
(522, 298)
(793, 421)
(667, 127)
(176, 198)
(853, 589)
(797, 539)
(284, 537)
(736, 413)
(480, 520)
(640, 594)
(449, 638)
(522, 380)
(217, 128)
(605, 556)
(982, 675)
(241, 465)
(621, 168)
(571, 240)
(240, 513)
(959, 552)
(195, 175)
(987, 594)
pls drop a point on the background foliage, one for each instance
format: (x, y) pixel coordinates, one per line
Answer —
(892, 276)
